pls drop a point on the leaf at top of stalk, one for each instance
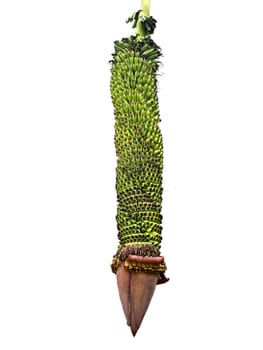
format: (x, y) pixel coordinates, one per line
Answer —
(134, 18)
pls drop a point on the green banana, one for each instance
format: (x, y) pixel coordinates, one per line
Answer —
(139, 151)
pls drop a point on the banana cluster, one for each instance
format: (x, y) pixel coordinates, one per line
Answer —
(138, 142)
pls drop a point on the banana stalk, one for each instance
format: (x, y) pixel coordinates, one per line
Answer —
(139, 150)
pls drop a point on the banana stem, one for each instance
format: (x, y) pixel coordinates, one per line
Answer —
(145, 7)
(145, 12)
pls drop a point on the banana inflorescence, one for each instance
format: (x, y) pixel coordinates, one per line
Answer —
(139, 151)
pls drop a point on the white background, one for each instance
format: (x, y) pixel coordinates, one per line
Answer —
(57, 178)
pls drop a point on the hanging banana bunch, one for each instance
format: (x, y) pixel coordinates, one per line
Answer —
(139, 150)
